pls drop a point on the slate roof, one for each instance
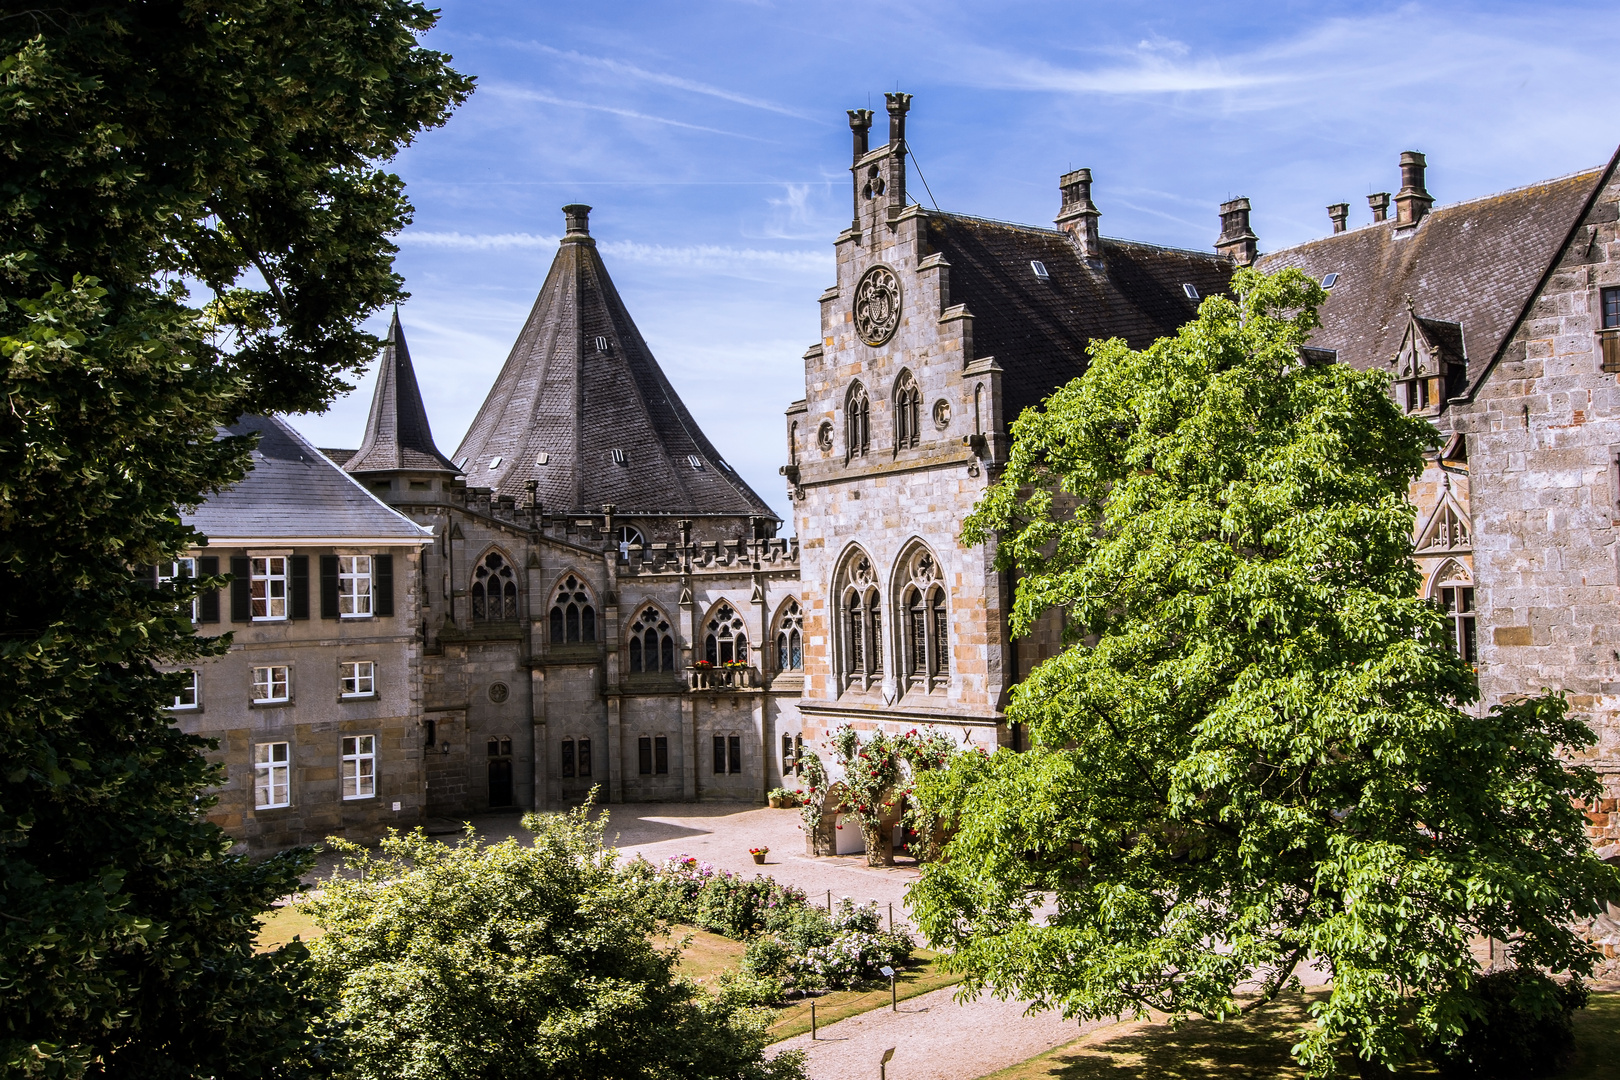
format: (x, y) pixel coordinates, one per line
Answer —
(1038, 330)
(1475, 263)
(563, 399)
(294, 492)
(397, 434)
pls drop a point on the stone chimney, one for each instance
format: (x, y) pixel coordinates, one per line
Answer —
(860, 122)
(578, 216)
(1379, 201)
(1237, 241)
(1078, 214)
(1412, 202)
(1338, 213)
(897, 104)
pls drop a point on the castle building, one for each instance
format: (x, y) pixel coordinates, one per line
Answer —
(585, 594)
(316, 705)
(605, 602)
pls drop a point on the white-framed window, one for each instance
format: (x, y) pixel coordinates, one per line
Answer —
(271, 683)
(176, 570)
(354, 586)
(189, 696)
(272, 775)
(268, 578)
(359, 677)
(359, 766)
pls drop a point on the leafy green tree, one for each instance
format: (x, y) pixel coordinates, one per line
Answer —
(1256, 750)
(523, 962)
(233, 146)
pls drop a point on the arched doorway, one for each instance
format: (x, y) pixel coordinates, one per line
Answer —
(500, 773)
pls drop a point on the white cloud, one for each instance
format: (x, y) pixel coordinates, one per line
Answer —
(619, 67)
(629, 114)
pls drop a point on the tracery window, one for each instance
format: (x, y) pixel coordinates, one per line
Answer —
(629, 535)
(907, 411)
(726, 641)
(790, 638)
(573, 617)
(494, 590)
(652, 642)
(857, 422)
(1453, 594)
(926, 640)
(861, 613)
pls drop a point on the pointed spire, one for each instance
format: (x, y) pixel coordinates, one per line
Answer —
(397, 435)
(583, 410)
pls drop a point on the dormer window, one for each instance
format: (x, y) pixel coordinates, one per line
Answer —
(1191, 291)
(601, 344)
(494, 463)
(1330, 280)
(1040, 269)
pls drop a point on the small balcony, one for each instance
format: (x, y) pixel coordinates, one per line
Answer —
(725, 677)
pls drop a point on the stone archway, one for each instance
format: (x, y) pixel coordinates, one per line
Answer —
(822, 837)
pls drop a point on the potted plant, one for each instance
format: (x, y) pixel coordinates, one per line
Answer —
(781, 798)
(759, 854)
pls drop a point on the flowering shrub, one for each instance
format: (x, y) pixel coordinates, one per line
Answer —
(852, 958)
(815, 796)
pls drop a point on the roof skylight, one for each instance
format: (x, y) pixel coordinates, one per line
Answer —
(495, 462)
(618, 456)
(1191, 291)
(1039, 268)
(1330, 280)
(696, 462)
(542, 458)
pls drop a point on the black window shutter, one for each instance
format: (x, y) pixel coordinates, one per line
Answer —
(300, 587)
(329, 586)
(241, 589)
(383, 587)
(208, 602)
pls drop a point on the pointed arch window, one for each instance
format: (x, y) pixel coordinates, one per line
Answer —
(652, 642)
(726, 640)
(925, 638)
(494, 590)
(861, 616)
(907, 412)
(573, 617)
(1452, 590)
(857, 422)
(790, 638)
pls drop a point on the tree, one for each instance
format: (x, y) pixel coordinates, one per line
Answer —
(524, 962)
(151, 152)
(1255, 750)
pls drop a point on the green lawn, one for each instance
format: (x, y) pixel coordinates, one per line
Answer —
(1257, 1047)
(282, 924)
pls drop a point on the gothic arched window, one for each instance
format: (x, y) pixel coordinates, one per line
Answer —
(907, 411)
(861, 613)
(573, 618)
(925, 638)
(652, 642)
(726, 641)
(790, 638)
(857, 422)
(494, 590)
(1452, 591)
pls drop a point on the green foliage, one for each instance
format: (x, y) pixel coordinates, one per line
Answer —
(878, 774)
(815, 789)
(1256, 748)
(1522, 1026)
(520, 961)
(144, 144)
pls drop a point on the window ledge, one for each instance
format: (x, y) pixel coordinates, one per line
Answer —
(280, 703)
(373, 696)
(358, 798)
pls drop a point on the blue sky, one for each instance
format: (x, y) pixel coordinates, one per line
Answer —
(710, 137)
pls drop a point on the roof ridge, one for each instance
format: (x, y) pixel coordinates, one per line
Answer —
(1043, 230)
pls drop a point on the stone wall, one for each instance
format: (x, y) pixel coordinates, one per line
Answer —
(1543, 446)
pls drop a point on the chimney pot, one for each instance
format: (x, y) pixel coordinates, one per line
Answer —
(578, 216)
(898, 105)
(1237, 241)
(1379, 201)
(1338, 213)
(1078, 215)
(860, 122)
(1412, 202)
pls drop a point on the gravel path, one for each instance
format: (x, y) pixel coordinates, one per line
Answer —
(936, 1038)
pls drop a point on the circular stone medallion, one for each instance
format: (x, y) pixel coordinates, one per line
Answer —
(942, 414)
(877, 305)
(497, 692)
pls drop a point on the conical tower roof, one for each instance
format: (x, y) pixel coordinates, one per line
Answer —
(397, 433)
(582, 408)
